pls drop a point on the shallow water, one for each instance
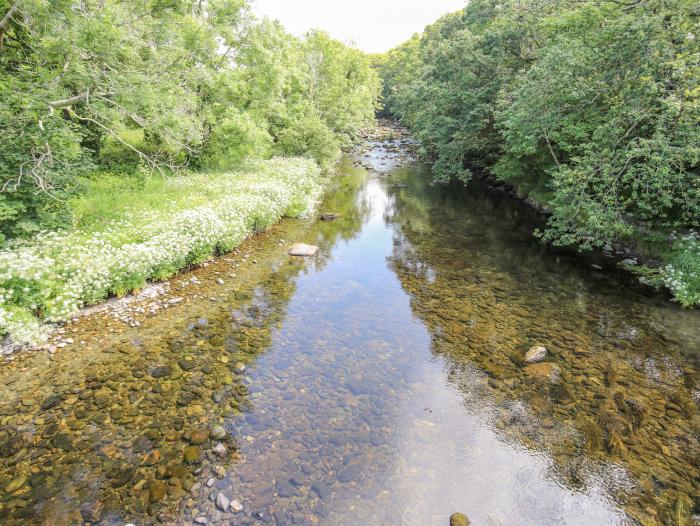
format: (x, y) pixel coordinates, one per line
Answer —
(379, 383)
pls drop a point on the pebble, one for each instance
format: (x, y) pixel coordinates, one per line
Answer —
(220, 450)
(199, 436)
(236, 505)
(201, 520)
(535, 354)
(222, 501)
(217, 432)
(16, 484)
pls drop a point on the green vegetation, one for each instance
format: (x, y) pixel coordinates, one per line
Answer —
(139, 137)
(157, 87)
(590, 109)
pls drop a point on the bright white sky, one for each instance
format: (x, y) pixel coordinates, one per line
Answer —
(374, 25)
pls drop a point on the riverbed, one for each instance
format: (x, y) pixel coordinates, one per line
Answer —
(380, 382)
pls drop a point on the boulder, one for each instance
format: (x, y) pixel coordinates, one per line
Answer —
(302, 249)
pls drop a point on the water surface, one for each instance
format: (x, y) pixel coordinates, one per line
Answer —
(379, 383)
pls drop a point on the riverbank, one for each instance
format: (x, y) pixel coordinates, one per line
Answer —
(186, 221)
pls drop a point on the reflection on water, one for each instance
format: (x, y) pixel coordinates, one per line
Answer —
(380, 383)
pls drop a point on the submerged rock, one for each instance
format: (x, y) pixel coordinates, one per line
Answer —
(156, 491)
(191, 454)
(535, 354)
(160, 371)
(328, 217)
(199, 436)
(302, 249)
(459, 519)
(16, 484)
(547, 371)
(222, 501)
(217, 432)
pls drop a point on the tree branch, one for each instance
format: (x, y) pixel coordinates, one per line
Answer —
(551, 150)
(63, 103)
(5, 22)
(114, 134)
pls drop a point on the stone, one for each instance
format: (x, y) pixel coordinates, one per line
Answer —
(222, 501)
(328, 217)
(186, 364)
(459, 519)
(50, 402)
(191, 454)
(157, 491)
(201, 520)
(535, 354)
(160, 371)
(220, 450)
(285, 488)
(199, 436)
(302, 249)
(16, 484)
(546, 370)
(217, 432)
(239, 367)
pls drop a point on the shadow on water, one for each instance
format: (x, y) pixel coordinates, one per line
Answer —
(381, 382)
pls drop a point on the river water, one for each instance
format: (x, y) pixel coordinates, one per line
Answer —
(381, 382)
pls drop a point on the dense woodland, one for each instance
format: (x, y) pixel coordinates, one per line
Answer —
(589, 108)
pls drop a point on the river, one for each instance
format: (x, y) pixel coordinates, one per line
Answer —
(381, 382)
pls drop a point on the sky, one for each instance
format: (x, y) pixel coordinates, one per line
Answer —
(374, 26)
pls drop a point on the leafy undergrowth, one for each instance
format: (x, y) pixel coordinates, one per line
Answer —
(679, 270)
(681, 275)
(127, 235)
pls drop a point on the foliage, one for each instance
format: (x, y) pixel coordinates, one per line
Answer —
(153, 230)
(152, 86)
(590, 108)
